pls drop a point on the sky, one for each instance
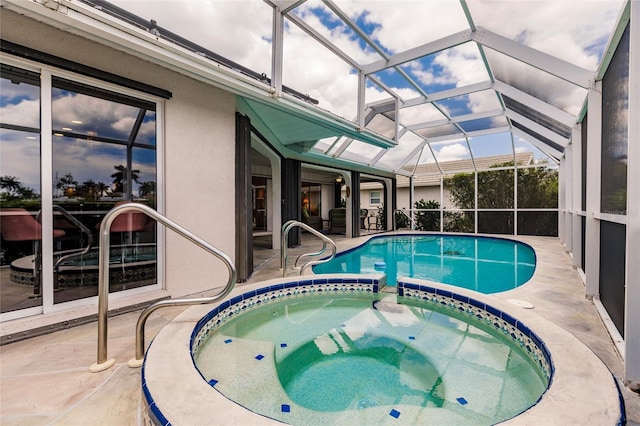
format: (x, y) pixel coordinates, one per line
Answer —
(241, 30)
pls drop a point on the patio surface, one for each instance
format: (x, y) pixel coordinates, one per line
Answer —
(46, 379)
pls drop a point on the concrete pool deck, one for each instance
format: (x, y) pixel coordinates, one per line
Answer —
(45, 379)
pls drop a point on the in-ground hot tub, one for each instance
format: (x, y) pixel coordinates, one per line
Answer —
(176, 391)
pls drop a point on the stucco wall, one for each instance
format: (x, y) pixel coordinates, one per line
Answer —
(199, 155)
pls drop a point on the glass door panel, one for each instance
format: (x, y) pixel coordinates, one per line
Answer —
(104, 154)
(20, 184)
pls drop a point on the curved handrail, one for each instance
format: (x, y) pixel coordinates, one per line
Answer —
(103, 282)
(404, 212)
(83, 228)
(288, 226)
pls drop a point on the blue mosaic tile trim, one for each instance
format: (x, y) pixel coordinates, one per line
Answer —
(255, 298)
(509, 326)
(155, 415)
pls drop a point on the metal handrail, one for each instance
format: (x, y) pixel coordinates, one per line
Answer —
(103, 282)
(38, 254)
(288, 226)
(83, 228)
(404, 212)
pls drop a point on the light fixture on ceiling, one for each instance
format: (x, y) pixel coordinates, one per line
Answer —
(339, 179)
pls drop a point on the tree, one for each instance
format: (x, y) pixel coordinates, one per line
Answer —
(147, 188)
(101, 189)
(87, 190)
(402, 221)
(537, 188)
(427, 220)
(120, 177)
(10, 184)
(65, 182)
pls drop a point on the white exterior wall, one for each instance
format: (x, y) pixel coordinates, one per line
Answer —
(200, 184)
(199, 153)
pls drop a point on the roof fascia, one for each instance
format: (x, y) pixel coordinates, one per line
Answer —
(543, 61)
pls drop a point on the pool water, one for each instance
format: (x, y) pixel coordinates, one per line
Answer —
(484, 264)
(364, 360)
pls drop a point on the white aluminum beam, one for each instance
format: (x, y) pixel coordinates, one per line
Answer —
(361, 95)
(286, 5)
(632, 295)
(459, 91)
(418, 52)
(543, 61)
(437, 96)
(427, 124)
(576, 198)
(534, 103)
(277, 50)
(594, 169)
(322, 40)
(548, 150)
(413, 152)
(377, 157)
(539, 129)
(458, 119)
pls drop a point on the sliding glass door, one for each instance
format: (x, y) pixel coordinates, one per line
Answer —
(100, 152)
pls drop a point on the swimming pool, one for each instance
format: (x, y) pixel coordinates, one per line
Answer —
(484, 264)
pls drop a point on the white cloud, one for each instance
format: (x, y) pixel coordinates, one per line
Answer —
(450, 151)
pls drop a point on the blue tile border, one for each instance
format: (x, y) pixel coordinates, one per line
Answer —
(155, 415)
(533, 347)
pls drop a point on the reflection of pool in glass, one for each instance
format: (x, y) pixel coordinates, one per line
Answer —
(130, 263)
(484, 264)
(348, 359)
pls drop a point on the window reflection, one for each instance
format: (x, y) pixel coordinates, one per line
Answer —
(20, 247)
(103, 155)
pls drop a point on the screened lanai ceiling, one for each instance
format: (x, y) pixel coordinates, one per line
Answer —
(439, 81)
